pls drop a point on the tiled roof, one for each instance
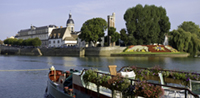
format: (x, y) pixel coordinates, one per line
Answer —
(57, 32)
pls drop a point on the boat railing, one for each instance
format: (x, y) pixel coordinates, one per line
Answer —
(187, 91)
(161, 70)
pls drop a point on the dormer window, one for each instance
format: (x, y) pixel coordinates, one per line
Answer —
(50, 36)
(58, 35)
(54, 36)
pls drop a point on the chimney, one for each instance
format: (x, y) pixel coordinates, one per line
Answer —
(60, 26)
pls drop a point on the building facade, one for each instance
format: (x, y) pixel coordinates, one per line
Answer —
(111, 20)
(41, 32)
(64, 36)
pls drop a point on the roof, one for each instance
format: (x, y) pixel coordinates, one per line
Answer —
(70, 20)
(58, 33)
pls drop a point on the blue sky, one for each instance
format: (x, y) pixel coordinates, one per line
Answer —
(21, 14)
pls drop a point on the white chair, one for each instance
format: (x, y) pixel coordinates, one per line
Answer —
(171, 90)
(195, 86)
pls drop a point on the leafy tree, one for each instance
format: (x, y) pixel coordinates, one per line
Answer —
(92, 30)
(185, 38)
(190, 27)
(124, 36)
(10, 41)
(20, 42)
(36, 42)
(27, 42)
(146, 24)
(180, 39)
(114, 35)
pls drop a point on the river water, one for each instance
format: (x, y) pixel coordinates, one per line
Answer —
(32, 84)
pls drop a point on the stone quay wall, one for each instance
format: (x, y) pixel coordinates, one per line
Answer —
(103, 51)
(70, 51)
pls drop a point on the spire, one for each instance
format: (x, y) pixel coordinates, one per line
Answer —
(70, 15)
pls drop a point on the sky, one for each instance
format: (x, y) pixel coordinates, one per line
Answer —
(16, 15)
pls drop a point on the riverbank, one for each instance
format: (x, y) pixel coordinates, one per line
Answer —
(69, 51)
(78, 52)
(160, 54)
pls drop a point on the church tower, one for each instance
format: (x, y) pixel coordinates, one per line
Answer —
(70, 23)
(111, 20)
(111, 23)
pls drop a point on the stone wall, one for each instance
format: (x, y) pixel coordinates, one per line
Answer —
(103, 51)
(9, 50)
(60, 51)
(71, 51)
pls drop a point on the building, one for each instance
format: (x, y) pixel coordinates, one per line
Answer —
(41, 32)
(111, 23)
(64, 36)
(111, 20)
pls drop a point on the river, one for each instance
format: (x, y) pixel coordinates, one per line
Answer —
(16, 83)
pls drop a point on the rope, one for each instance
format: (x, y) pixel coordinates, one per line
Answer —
(26, 70)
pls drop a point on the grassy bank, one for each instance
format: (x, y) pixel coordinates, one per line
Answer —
(152, 53)
(159, 54)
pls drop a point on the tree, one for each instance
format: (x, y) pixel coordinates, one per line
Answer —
(20, 42)
(92, 30)
(180, 39)
(36, 42)
(190, 27)
(10, 41)
(146, 24)
(185, 38)
(27, 42)
(114, 35)
(124, 36)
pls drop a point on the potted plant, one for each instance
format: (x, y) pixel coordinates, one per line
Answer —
(148, 90)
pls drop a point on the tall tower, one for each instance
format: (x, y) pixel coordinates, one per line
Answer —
(111, 20)
(70, 23)
(111, 23)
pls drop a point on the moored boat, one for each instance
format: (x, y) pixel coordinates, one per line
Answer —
(73, 84)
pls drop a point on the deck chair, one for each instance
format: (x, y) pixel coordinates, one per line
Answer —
(195, 86)
(171, 90)
(112, 69)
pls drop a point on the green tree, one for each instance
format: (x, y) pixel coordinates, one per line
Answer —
(36, 42)
(20, 42)
(10, 41)
(186, 38)
(180, 39)
(190, 27)
(27, 42)
(124, 36)
(114, 35)
(146, 24)
(92, 30)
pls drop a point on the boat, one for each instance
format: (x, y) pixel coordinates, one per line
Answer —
(71, 84)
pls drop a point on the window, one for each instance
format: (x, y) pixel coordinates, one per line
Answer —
(58, 35)
(53, 41)
(49, 42)
(58, 41)
(72, 29)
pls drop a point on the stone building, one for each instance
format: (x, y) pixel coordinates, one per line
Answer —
(41, 32)
(64, 36)
(111, 20)
(111, 23)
